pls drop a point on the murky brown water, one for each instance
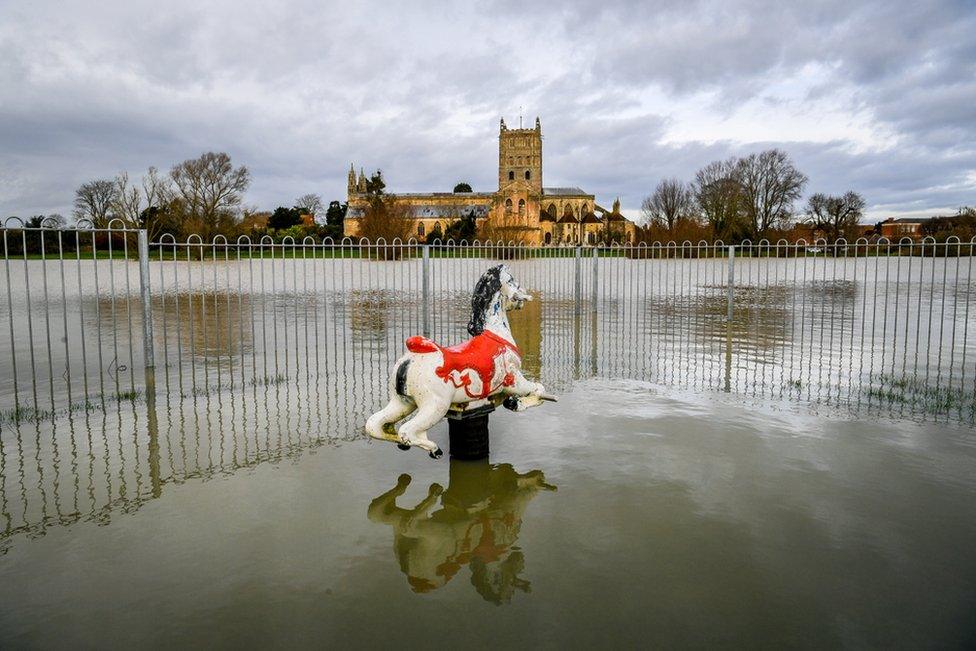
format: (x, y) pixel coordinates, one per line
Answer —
(625, 514)
(827, 499)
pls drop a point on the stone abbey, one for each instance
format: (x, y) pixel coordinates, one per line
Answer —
(522, 209)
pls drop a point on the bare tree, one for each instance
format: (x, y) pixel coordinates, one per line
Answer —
(127, 202)
(310, 204)
(386, 217)
(835, 216)
(770, 185)
(670, 203)
(93, 201)
(156, 188)
(210, 190)
(718, 195)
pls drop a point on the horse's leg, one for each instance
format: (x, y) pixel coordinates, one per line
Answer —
(384, 508)
(414, 431)
(380, 424)
(419, 512)
(524, 393)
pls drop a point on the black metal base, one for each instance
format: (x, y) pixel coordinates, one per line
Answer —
(468, 432)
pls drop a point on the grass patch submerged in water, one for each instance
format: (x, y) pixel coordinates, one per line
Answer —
(907, 390)
(20, 415)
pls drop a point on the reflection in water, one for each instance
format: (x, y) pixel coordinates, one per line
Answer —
(477, 525)
(93, 465)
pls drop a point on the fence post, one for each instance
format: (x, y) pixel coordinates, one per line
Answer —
(425, 291)
(728, 319)
(578, 285)
(146, 295)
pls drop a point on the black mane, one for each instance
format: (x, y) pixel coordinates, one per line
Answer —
(489, 284)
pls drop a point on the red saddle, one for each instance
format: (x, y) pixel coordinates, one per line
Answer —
(476, 354)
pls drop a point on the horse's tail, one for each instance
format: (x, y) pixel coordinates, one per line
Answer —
(401, 378)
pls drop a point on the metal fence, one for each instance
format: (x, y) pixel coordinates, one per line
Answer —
(90, 311)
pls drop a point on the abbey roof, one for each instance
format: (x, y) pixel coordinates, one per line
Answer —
(571, 192)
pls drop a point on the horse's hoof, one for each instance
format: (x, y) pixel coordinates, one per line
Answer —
(403, 446)
(436, 454)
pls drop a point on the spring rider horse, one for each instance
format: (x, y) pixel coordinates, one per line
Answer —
(464, 382)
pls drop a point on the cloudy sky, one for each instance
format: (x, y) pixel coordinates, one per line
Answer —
(877, 97)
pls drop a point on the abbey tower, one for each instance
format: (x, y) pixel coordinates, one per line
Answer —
(520, 156)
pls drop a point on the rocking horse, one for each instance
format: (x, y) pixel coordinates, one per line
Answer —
(477, 375)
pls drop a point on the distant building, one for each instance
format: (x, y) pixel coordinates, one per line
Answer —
(520, 210)
(895, 229)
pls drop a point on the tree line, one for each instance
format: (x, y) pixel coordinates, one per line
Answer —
(751, 197)
(203, 196)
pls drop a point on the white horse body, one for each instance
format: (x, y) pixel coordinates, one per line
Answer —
(487, 368)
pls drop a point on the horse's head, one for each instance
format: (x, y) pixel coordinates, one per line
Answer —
(513, 294)
(497, 280)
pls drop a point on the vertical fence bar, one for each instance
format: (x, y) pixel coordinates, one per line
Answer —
(425, 297)
(146, 295)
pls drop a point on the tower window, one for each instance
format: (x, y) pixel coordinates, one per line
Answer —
(528, 175)
(521, 206)
(420, 229)
(511, 176)
(508, 205)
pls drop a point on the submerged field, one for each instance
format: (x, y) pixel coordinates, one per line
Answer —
(797, 470)
(626, 513)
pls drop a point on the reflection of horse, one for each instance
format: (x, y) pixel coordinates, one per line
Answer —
(487, 368)
(477, 525)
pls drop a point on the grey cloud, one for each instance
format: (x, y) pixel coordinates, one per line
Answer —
(299, 90)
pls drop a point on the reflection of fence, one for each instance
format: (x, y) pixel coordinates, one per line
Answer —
(88, 311)
(91, 466)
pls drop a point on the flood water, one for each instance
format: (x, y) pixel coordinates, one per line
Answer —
(627, 513)
(796, 477)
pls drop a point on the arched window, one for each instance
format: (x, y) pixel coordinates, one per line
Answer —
(591, 237)
(548, 238)
(508, 205)
(567, 210)
(583, 210)
(528, 175)
(511, 176)
(521, 206)
(551, 210)
(420, 229)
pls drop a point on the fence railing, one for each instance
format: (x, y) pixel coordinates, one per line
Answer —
(90, 311)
